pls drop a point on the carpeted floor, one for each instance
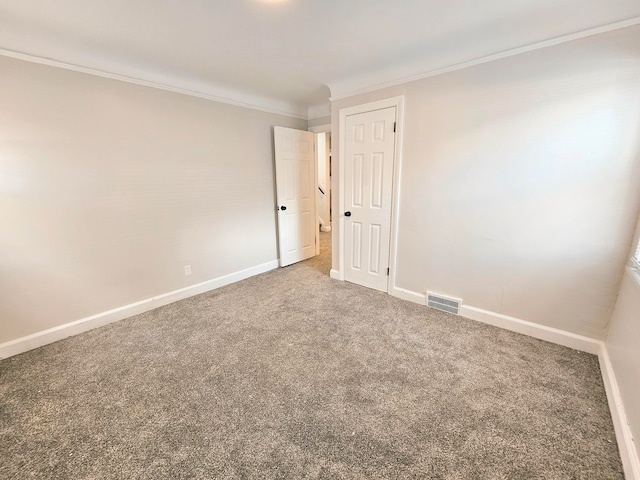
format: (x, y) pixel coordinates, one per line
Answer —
(293, 375)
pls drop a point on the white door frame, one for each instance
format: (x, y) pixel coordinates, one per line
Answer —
(397, 102)
(320, 128)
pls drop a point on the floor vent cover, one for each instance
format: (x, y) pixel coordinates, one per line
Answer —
(446, 304)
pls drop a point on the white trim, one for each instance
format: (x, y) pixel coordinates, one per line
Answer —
(395, 205)
(398, 103)
(408, 295)
(315, 192)
(23, 344)
(541, 332)
(535, 330)
(626, 445)
(320, 128)
(336, 275)
(227, 96)
(335, 87)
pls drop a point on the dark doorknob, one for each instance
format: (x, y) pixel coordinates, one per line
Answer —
(347, 214)
(283, 208)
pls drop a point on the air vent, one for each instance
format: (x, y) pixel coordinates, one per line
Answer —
(445, 304)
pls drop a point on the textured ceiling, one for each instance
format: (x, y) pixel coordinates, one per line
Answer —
(292, 53)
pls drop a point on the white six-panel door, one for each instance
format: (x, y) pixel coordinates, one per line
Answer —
(296, 194)
(368, 169)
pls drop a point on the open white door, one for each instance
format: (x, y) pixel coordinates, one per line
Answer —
(296, 194)
(368, 190)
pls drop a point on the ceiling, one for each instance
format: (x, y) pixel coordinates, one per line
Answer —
(287, 55)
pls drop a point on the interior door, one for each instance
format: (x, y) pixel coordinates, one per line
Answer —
(370, 146)
(296, 194)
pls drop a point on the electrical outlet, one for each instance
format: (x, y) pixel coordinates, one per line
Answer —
(187, 270)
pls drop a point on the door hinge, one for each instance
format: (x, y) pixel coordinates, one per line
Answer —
(394, 127)
(387, 271)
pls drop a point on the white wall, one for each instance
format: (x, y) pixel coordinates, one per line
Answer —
(623, 347)
(519, 187)
(107, 190)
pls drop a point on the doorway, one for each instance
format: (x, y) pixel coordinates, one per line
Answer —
(323, 152)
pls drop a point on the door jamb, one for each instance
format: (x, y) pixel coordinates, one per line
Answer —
(316, 130)
(397, 102)
(320, 128)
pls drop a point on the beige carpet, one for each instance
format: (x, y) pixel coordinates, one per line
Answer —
(293, 375)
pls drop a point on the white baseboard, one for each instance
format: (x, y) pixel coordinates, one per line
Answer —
(23, 344)
(408, 295)
(541, 332)
(535, 330)
(626, 445)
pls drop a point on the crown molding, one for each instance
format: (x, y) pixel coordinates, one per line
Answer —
(218, 94)
(347, 88)
(319, 110)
